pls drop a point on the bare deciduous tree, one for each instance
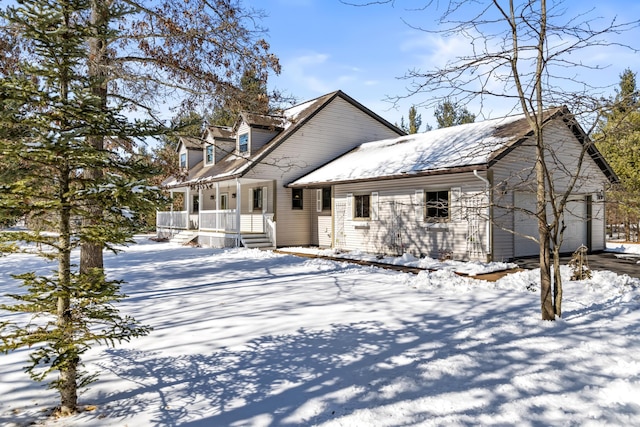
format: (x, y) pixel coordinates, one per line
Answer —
(530, 54)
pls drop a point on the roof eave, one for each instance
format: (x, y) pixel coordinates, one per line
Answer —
(432, 172)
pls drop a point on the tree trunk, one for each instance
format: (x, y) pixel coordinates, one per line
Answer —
(546, 299)
(546, 296)
(627, 229)
(91, 253)
(557, 282)
(68, 372)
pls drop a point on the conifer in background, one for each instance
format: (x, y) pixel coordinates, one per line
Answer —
(619, 141)
(48, 115)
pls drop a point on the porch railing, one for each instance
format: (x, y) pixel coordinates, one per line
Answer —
(218, 220)
(224, 220)
(175, 219)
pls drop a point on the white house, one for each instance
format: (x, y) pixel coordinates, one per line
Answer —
(234, 179)
(331, 173)
(465, 192)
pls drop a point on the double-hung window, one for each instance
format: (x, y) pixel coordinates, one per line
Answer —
(257, 198)
(183, 160)
(209, 154)
(326, 199)
(243, 143)
(296, 198)
(362, 206)
(437, 205)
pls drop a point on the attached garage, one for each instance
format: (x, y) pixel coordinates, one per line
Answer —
(576, 220)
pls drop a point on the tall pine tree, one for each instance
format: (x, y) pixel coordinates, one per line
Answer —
(449, 113)
(48, 118)
(619, 142)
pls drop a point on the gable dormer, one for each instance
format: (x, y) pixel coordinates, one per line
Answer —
(255, 130)
(189, 151)
(219, 141)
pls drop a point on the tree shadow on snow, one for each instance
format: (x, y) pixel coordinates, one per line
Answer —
(435, 368)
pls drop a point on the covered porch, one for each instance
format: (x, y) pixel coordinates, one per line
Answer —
(221, 213)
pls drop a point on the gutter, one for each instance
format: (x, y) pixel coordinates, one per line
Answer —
(487, 188)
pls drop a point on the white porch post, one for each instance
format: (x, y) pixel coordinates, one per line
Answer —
(187, 206)
(200, 206)
(238, 207)
(217, 196)
(171, 212)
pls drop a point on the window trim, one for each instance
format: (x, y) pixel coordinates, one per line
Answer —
(447, 208)
(195, 203)
(295, 191)
(327, 206)
(209, 152)
(256, 203)
(355, 207)
(183, 160)
(245, 145)
(224, 201)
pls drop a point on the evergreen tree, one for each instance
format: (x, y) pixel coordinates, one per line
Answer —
(49, 115)
(198, 51)
(449, 113)
(619, 142)
(415, 121)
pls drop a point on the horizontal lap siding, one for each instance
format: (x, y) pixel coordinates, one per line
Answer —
(517, 170)
(336, 129)
(324, 226)
(398, 229)
(259, 137)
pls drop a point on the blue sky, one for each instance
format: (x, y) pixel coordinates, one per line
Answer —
(325, 45)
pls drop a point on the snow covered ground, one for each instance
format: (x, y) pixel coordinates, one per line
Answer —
(249, 338)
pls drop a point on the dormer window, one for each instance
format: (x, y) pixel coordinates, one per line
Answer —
(209, 154)
(183, 160)
(243, 145)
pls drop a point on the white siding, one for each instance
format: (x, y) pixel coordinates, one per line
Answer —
(517, 171)
(400, 227)
(223, 147)
(259, 137)
(242, 129)
(334, 130)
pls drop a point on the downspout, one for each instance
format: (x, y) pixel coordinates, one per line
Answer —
(487, 187)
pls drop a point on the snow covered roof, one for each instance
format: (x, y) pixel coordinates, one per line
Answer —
(235, 166)
(438, 151)
(190, 143)
(224, 132)
(261, 120)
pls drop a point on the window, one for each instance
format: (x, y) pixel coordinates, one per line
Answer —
(437, 205)
(243, 143)
(209, 155)
(326, 199)
(196, 204)
(183, 160)
(362, 206)
(296, 198)
(257, 198)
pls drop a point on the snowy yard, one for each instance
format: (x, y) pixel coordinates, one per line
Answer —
(249, 338)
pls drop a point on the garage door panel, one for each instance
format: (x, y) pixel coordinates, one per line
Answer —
(575, 233)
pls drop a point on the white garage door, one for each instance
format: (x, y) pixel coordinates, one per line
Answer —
(575, 219)
(575, 233)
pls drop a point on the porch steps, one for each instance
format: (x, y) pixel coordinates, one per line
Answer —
(256, 240)
(184, 237)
